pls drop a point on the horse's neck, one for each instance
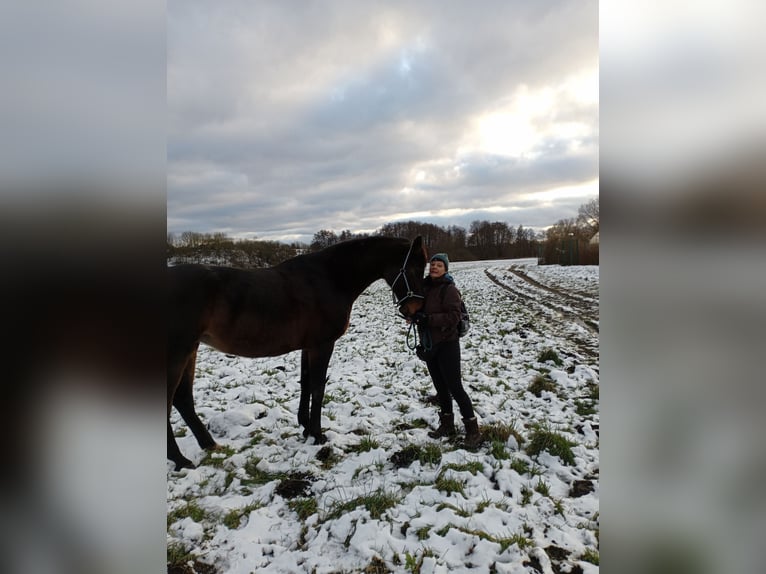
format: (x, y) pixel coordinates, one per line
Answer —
(365, 265)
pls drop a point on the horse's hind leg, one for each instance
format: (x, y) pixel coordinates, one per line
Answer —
(184, 402)
(176, 368)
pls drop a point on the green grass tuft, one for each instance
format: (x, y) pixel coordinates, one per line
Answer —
(472, 467)
(376, 504)
(178, 557)
(303, 507)
(501, 432)
(520, 466)
(233, 518)
(189, 510)
(540, 384)
(544, 439)
(591, 556)
(497, 449)
(448, 485)
(542, 487)
(549, 354)
(366, 444)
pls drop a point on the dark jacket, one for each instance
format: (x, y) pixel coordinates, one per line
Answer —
(442, 305)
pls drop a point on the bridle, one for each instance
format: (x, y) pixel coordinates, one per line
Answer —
(403, 275)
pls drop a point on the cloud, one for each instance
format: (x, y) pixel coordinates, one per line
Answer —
(284, 120)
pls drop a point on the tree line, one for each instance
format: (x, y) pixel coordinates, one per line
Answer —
(567, 242)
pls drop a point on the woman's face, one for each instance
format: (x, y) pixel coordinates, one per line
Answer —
(436, 269)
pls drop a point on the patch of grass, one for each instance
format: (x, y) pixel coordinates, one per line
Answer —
(472, 467)
(497, 450)
(505, 542)
(542, 487)
(584, 408)
(501, 432)
(462, 512)
(328, 398)
(549, 354)
(418, 423)
(255, 439)
(520, 466)
(365, 445)
(591, 556)
(428, 454)
(448, 485)
(423, 533)
(592, 390)
(189, 510)
(216, 458)
(328, 457)
(376, 504)
(178, 557)
(233, 518)
(526, 495)
(540, 384)
(257, 476)
(545, 439)
(593, 525)
(414, 562)
(303, 507)
(376, 566)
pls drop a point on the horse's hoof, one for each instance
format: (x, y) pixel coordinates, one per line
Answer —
(305, 433)
(320, 438)
(184, 463)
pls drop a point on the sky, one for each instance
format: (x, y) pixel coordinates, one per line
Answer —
(288, 118)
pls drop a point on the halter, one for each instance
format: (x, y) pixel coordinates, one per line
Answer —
(403, 274)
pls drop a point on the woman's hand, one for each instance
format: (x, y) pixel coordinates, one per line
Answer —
(419, 318)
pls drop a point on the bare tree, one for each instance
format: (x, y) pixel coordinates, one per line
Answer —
(587, 217)
(323, 238)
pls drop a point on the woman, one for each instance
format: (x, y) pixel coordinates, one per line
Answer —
(440, 349)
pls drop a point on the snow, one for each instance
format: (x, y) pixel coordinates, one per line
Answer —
(376, 392)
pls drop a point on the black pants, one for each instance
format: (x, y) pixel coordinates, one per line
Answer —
(444, 368)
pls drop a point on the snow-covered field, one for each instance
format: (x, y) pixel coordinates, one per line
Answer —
(381, 496)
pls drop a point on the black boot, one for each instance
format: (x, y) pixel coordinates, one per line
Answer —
(446, 426)
(472, 435)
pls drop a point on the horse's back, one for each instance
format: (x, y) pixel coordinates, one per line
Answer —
(253, 313)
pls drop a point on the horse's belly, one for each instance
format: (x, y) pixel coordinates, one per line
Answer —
(248, 348)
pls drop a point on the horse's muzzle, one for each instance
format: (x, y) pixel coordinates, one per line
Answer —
(411, 306)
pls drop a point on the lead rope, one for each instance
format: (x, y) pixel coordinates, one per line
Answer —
(413, 334)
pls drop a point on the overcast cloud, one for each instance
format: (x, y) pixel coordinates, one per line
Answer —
(290, 117)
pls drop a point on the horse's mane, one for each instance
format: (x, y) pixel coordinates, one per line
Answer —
(349, 248)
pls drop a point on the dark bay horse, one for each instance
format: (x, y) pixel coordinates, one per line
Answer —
(302, 303)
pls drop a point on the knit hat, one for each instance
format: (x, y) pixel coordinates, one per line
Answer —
(443, 258)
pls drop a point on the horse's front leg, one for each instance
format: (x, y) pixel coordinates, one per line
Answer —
(319, 359)
(303, 407)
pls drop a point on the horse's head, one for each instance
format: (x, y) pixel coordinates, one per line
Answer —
(407, 286)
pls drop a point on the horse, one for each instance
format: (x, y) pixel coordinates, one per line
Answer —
(302, 303)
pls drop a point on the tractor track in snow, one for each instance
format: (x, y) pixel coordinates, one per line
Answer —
(576, 311)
